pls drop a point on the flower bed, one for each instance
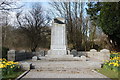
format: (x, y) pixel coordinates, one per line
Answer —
(9, 68)
(111, 68)
(114, 62)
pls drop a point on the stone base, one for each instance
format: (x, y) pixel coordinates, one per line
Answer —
(57, 52)
(60, 55)
(62, 58)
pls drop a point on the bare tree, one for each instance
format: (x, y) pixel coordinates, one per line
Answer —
(5, 8)
(34, 25)
(73, 13)
(8, 5)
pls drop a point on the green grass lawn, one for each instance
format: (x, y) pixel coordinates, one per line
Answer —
(109, 73)
(12, 76)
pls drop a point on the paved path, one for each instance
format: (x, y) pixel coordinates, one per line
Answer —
(64, 69)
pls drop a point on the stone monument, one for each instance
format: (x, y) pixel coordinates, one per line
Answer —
(58, 38)
(58, 47)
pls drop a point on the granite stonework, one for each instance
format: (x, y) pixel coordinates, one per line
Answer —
(14, 55)
(25, 65)
(68, 52)
(58, 48)
(103, 55)
(83, 58)
(82, 53)
(34, 58)
(106, 54)
(11, 55)
(58, 38)
(40, 53)
(74, 52)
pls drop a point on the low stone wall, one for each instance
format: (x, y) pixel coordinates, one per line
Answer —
(23, 55)
(13, 55)
(104, 54)
(41, 53)
(19, 55)
(82, 53)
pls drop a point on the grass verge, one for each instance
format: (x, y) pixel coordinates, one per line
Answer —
(12, 76)
(109, 73)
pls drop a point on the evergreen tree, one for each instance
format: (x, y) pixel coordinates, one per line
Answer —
(107, 16)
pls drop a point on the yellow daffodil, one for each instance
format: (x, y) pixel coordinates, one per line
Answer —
(111, 63)
(4, 59)
(3, 62)
(118, 58)
(15, 62)
(8, 64)
(11, 67)
(11, 62)
(107, 61)
(2, 66)
(0, 59)
(116, 64)
(114, 53)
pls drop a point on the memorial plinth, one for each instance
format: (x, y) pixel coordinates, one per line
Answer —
(58, 38)
(58, 47)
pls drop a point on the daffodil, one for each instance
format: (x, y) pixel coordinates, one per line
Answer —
(11, 62)
(116, 64)
(8, 64)
(111, 63)
(11, 67)
(107, 61)
(114, 53)
(15, 62)
(4, 59)
(2, 66)
(0, 59)
(118, 58)
(3, 62)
